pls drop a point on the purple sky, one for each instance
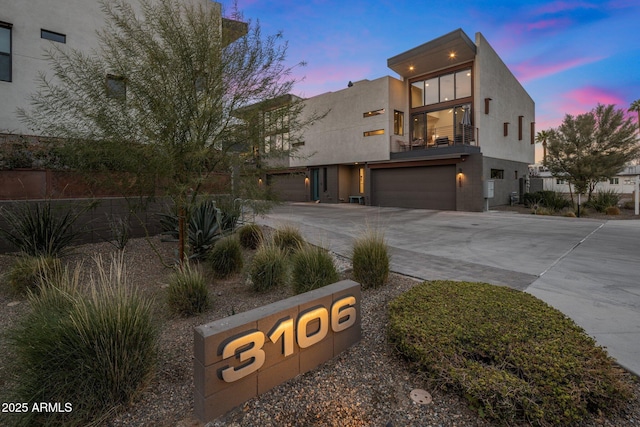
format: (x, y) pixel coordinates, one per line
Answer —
(569, 55)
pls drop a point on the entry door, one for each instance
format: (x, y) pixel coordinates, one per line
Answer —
(315, 184)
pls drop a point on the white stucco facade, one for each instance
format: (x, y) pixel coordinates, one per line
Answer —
(77, 20)
(347, 134)
(508, 102)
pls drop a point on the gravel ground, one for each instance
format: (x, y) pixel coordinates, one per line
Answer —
(368, 385)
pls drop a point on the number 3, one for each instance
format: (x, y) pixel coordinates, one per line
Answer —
(254, 354)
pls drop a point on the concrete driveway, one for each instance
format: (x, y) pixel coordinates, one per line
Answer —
(588, 269)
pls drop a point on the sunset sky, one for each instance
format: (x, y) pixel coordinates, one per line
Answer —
(569, 55)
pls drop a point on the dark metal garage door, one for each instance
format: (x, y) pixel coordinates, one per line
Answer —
(289, 187)
(432, 187)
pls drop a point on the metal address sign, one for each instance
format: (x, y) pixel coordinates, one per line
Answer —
(242, 356)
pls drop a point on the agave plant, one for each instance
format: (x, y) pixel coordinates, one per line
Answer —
(205, 228)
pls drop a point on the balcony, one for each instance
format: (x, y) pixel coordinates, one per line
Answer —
(442, 140)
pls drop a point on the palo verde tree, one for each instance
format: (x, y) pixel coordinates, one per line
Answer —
(157, 100)
(591, 147)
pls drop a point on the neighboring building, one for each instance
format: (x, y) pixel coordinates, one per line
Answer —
(28, 28)
(458, 119)
(623, 183)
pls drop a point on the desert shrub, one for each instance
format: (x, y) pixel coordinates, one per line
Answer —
(226, 257)
(250, 236)
(312, 268)
(36, 229)
(269, 268)
(120, 231)
(543, 211)
(601, 200)
(570, 214)
(370, 258)
(514, 358)
(28, 272)
(288, 238)
(187, 293)
(551, 200)
(612, 210)
(95, 349)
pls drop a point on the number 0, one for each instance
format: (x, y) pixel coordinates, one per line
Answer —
(305, 340)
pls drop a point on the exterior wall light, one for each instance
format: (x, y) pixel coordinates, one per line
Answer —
(460, 177)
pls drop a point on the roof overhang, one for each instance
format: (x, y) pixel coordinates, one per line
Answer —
(448, 159)
(444, 52)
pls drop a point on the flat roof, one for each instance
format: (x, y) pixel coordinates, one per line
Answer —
(445, 51)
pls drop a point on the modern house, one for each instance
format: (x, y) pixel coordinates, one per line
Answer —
(455, 124)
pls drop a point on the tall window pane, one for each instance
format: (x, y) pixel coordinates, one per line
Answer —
(418, 128)
(5, 54)
(431, 91)
(398, 123)
(463, 84)
(417, 94)
(446, 88)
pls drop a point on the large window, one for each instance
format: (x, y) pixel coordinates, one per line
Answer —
(5, 52)
(444, 88)
(276, 129)
(442, 127)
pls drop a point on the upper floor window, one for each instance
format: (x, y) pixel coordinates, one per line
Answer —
(373, 132)
(614, 181)
(275, 128)
(398, 123)
(53, 36)
(446, 87)
(373, 113)
(5, 52)
(116, 87)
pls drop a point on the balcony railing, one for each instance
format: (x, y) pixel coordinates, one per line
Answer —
(445, 136)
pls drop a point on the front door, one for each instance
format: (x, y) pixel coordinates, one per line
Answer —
(315, 184)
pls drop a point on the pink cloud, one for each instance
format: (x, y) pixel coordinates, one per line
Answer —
(328, 78)
(534, 68)
(563, 6)
(582, 100)
(547, 24)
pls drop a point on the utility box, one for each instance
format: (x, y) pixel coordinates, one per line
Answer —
(489, 186)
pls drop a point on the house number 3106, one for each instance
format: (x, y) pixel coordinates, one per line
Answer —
(248, 347)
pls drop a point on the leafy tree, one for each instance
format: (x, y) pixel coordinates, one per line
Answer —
(591, 147)
(635, 107)
(158, 100)
(542, 137)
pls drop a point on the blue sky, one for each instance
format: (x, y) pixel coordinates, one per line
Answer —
(569, 55)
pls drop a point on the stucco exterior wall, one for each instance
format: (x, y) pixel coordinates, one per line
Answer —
(79, 20)
(492, 79)
(339, 137)
(513, 172)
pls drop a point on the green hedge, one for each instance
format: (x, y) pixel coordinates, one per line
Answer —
(514, 358)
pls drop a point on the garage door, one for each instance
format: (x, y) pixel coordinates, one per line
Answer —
(432, 187)
(288, 187)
